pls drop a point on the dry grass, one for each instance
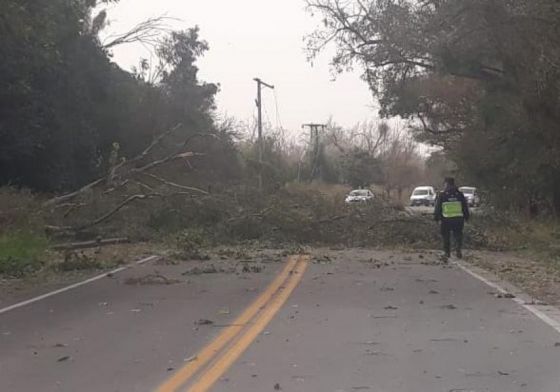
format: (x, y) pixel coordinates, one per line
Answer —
(19, 210)
(527, 253)
(506, 232)
(539, 278)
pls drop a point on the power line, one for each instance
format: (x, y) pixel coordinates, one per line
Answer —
(254, 127)
(266, 114)
(278, 119)
(279, 126)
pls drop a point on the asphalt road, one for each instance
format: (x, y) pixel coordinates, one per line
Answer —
(115, 336)
(355, 321)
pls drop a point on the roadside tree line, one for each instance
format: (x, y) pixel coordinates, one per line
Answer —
(480, 79)
(68, 113)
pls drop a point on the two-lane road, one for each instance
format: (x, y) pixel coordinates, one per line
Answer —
(352, 321)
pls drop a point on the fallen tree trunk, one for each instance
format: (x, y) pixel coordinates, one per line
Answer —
(69, 196)
(91, 244)
(109, 214)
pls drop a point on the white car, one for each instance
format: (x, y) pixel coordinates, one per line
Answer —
(359, 196)
(473, 199)
(423, 196)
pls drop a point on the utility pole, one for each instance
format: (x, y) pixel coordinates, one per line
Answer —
(260, 84)
(315, 142)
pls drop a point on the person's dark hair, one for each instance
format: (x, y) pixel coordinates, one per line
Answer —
(450, 181)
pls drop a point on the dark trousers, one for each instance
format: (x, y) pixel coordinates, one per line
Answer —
(454, 225)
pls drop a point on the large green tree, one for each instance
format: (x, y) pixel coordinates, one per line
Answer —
(65, 107)
(479, 78)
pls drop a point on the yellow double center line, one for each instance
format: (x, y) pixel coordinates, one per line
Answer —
(216, 358)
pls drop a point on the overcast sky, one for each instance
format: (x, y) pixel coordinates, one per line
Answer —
(250, 38)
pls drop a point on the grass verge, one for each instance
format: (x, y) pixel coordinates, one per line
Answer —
(21, 253)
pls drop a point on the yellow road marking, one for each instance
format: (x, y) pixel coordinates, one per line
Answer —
(223, 363)
(207, 353)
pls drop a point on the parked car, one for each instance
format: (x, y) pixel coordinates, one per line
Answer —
(423, 196)
(359, 196)
(471, 195)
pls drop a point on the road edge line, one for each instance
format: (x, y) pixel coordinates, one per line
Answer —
(247, 338)
(78, 284)
(546, 313)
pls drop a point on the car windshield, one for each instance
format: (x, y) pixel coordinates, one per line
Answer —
(421, 192)
(359, 193)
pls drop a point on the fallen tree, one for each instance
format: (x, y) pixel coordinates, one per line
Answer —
(91, 244)
(118, 180)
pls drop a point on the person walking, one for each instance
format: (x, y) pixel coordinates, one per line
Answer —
(452, 211)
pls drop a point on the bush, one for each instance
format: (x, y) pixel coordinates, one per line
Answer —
(21, 253)
(19, 210)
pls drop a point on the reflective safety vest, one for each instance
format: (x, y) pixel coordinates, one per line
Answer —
(452, 209)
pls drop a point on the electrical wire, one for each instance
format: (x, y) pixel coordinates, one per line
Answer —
(267, 117)
(253, 130)
(276, 104)
(268, 122)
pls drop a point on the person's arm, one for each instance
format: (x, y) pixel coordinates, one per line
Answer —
(466, 211)
(437, 210)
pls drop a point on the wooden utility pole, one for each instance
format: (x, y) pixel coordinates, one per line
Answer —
(315, 142)
(260, 83)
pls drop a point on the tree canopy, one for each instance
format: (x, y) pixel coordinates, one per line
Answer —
(65, 107)
(478, 78)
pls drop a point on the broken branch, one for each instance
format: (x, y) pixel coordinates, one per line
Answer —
(69, 196)
(91, 244)
(175, 185)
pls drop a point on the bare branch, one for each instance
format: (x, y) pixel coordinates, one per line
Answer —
(115, 210)
(91, 244)
(143, 185)
(156, 142)
(147, 32)
(73, 208)
(162, 161)
(429, 129)
(175, 185)
(69, 196)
